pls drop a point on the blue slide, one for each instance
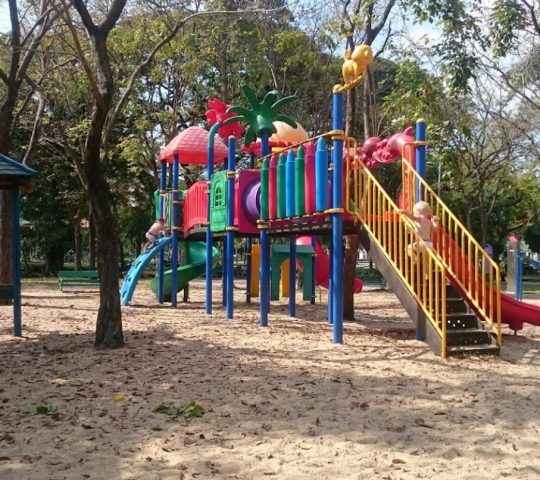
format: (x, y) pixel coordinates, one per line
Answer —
(137, 269)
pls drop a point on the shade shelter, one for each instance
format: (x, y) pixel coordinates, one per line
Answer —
(15, 177)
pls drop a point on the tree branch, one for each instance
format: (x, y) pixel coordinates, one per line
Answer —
(85, 16)
(4, 77)
(382, 21)
(43, 16)
(133, 78)
(533, 16)
(15, 42)
(36, 130)
(93, 84)
(112, 16)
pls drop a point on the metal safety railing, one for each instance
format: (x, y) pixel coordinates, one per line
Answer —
(473, 271)
(419, 267)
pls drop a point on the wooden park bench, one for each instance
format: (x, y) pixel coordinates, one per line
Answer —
(83, 278)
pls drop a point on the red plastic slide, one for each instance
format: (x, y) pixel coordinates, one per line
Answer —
(513, 312)
(322, 265)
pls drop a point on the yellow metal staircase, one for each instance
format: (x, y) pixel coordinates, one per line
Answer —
(446, 290)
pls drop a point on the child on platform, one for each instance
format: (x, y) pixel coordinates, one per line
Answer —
(152, 233)
(424, 224)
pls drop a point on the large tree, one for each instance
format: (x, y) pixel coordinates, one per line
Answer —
(27, 33)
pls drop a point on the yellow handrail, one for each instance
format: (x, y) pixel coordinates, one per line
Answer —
(462, 255)
(418, 266)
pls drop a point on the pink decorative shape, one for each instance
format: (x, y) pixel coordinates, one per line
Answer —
(272, 187)
(309, 177)
(218, 114)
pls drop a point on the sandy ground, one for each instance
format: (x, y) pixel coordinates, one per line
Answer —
(282, 402)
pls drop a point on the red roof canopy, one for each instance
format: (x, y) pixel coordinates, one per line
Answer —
(191, 147)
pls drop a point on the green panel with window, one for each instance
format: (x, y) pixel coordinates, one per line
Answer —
(218, 197)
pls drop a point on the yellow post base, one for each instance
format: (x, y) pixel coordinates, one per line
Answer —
(284, 286)
(255, 265)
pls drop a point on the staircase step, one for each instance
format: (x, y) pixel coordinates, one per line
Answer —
(451, 292)
(456, 305)
(459, 321)
(468, 336)
(473, 349)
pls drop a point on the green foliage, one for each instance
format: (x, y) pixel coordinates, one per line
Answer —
(48, 409)
(508, 19)
(190, 410)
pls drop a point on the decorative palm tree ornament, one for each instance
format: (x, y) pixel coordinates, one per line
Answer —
(261, 117)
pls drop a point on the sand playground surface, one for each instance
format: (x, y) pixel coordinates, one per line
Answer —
(281, 402)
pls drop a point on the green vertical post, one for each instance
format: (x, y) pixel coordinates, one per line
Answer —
(264, 189)
(300, 196)
(281, 187)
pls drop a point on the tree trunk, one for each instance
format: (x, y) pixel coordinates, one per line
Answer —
(54, 260)
(6, 267)
(78, 243)
(92, 243)
(109, 332)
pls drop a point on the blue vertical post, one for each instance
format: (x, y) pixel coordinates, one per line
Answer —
(421, 170)
(290, 206)
(16, 259)
(249, 243)
(174, 228)
(209, 246)
(337, 221)
(313, 244)
(331, 249)
(420, 157)
(265, 254)
(161, 258)
(292, 277)
(231, 174)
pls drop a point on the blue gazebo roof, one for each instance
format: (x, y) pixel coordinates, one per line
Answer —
(11, 170)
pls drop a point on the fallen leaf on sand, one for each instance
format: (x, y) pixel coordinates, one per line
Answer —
(119, 397)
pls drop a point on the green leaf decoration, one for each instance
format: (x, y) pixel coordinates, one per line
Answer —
(48, 409)
(190, 410)
(261, 117)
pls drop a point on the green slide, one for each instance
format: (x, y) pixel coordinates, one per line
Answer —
(195, 267)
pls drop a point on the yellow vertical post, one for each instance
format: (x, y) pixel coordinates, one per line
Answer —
(255, 264)
(284, 286)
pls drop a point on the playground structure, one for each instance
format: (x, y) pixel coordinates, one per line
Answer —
(299, 188)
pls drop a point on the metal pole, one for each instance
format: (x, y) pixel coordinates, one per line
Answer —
(421, 169)
(174, 228)
(230, 227)
(420, 157)
(265, 254)
(16, 259)
(337, 221)
(249, 243)
(209, 242)
(161, 258)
